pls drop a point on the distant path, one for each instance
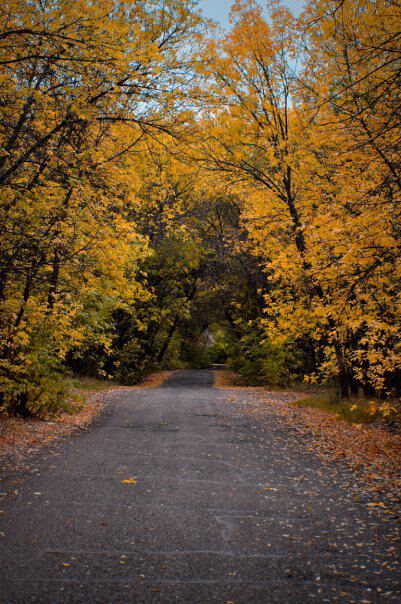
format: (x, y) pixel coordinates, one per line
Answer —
(225, 509)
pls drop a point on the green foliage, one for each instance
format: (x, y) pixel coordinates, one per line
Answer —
(187, 349)
(219, 351)
(194, 354)
(355, 410)
(32, 381)
(129, 364)
(88, 384)
(259, 361)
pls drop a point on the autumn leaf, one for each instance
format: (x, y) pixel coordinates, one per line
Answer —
(128, 481)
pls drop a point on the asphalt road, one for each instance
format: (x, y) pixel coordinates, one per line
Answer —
(221, 508)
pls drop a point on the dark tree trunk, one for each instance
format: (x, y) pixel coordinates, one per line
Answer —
(342, 380)
(167, 341)
(368, 390)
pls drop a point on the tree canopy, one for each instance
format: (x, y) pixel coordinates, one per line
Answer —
(172, 193)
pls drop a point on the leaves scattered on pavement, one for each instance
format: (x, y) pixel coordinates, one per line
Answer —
(372, 452)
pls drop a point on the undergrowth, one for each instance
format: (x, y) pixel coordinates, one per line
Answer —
(355, 410)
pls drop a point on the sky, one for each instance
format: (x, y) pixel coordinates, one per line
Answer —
(219, 9)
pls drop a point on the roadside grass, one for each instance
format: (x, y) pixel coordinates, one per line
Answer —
(356, 410)
(79, 388)
(85, 383)
(226, 378)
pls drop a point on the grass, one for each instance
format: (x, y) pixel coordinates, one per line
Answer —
(356, 410)
(78, 388)
(85, 384)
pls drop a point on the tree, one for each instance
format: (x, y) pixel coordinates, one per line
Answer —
(289, 129)
(82, 84)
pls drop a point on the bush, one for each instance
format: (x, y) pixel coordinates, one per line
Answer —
(32, 383)
(260, 361)
(219, 351)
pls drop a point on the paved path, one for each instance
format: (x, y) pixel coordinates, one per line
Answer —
(225, 509)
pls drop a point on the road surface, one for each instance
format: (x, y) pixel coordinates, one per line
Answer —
(218, 507)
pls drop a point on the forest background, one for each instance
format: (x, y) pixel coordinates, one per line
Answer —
(165, 183)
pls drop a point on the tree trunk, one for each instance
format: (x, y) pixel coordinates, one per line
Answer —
(167, 341)
(342, 380)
